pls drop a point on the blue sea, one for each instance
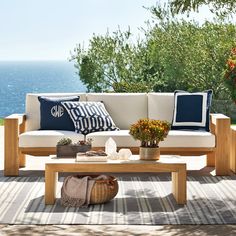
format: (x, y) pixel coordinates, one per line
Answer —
(19, 78)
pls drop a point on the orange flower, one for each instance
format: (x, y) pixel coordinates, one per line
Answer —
(150, 132)
(231, 64)
(230, 73)
(233, 51)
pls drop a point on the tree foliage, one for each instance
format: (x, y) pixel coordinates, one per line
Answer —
(230, 74)
(113, 62)
(173, 55)
(191, 57)
(220, 7)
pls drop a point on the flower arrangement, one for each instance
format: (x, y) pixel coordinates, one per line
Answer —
(150, 132)
(230, 73)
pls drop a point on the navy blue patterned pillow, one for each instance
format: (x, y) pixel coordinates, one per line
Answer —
(192, 110)
(53, 116)
(89, 117)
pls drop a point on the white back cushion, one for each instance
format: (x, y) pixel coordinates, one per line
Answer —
(161, 106)
(124, 108)
(33, 107)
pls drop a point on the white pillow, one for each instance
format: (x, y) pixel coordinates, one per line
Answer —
(89, 117)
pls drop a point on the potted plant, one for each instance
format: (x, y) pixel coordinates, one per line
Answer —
(150, 133)
(230, 74)
(65, 147)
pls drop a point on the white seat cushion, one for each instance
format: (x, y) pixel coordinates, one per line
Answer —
(46, 138)
(175, 138)
(185, 139)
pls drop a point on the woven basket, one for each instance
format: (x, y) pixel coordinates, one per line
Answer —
(104, 190)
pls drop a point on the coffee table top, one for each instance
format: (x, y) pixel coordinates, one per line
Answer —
(134, 159)
(169, 163)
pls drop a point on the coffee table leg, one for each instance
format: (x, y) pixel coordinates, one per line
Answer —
(51, 178)
(179, 183)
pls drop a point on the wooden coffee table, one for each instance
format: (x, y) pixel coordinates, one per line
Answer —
(165, 164)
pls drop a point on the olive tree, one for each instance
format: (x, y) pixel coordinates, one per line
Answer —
(113, 62)
(220, 7)
(174, 54)
(191, 57)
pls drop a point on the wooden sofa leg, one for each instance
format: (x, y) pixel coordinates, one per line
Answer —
(233, 149)
(222, 156)
(210, 161)
(11, 157)
(22, 160)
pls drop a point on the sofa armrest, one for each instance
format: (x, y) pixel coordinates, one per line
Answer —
(218, 117)
(13, 126)
(220, 127)
(15, 120)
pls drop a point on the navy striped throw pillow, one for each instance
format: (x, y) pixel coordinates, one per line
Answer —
(89, 117)
(192, 110)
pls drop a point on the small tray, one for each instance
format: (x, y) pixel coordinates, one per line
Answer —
(80, 157)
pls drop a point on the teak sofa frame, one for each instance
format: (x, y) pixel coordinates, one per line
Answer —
(219, 156)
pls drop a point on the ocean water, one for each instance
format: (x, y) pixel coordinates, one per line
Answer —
(19, 78)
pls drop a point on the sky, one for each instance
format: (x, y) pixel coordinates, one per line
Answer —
(50, 29)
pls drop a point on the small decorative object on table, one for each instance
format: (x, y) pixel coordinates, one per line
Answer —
(124, 154)
(65, 147)
(110, 147)
(95, 153)
(150, 133)
(91, 156)
(111, 151)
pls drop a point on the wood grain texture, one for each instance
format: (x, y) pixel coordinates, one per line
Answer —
(51, 178)
(22, 157)
(38, 151)
(233, 149)
(69, 165)
(179, 185)
(11, 160)
(210, 161)
(223, 137)
(46, 151)
(13, 126)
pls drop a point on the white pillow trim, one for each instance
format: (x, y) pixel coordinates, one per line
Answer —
(204, 110)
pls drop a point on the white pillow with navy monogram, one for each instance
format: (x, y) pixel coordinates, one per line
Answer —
(192, 110)
(89, 117)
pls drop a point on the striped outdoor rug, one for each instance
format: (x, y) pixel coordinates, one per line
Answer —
(141, 200)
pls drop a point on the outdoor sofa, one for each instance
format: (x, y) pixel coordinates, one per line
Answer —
(22, 134)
